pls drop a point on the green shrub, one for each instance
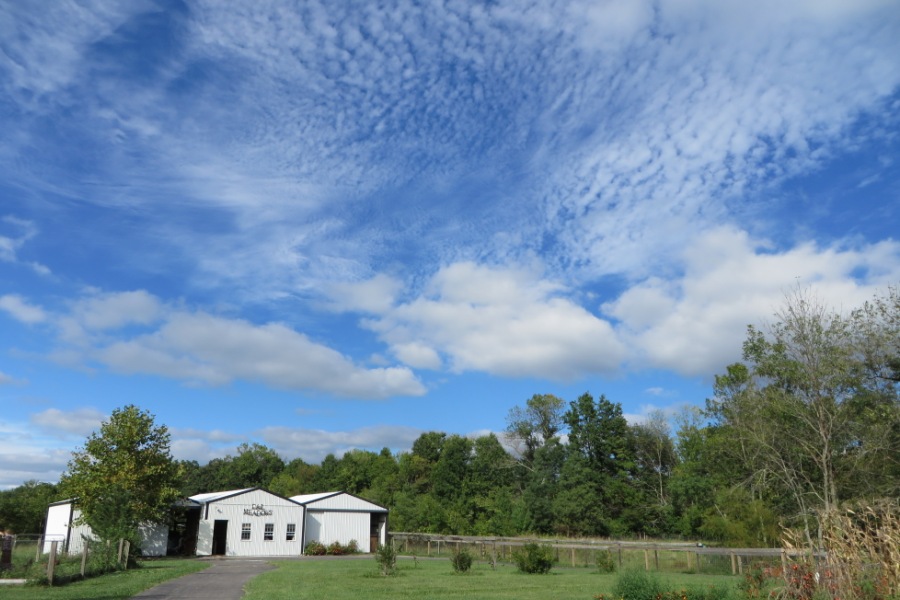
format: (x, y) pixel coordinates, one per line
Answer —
(462, 561)
(335, 549)
(534, 558)
(638, 585)
(315, 548)
(605, 562)
(386, 557)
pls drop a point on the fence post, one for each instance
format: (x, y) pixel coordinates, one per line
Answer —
(733, 565)
(84, 555)
(646, 559)
(40, 548)
(428, 550)
(573, 557)
(656, 557)
(52, 562)
(784, 565)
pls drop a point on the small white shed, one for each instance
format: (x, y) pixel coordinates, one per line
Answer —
(342, 517)
(62, 527)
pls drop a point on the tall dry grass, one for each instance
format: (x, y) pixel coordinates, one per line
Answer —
(859, 556)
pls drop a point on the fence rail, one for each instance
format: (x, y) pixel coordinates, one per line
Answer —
(659, 556)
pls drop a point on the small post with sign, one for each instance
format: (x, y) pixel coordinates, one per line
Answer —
(6, 548)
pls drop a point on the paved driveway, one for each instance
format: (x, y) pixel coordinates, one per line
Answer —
(224, 580)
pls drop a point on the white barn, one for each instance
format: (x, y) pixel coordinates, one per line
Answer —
(246, 522)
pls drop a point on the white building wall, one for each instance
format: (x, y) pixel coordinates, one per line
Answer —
(61, 528)
(154, 539)
(329, 527)
(204, 538)
(249, 507)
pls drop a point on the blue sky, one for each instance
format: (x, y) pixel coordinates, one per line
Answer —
(323, 226)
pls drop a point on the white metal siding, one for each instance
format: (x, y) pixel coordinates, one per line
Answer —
(232, 510)
(154, 539)
(204, 538)
(330, 527)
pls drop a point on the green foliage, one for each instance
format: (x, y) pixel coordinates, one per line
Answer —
(638, 585)
(534, 558)
(462, 561)
(315, 548)
(124, 475)
(739, 520)
(605, 562)
(386, 557)
(22, 509)
(113, 521)
(335, 548)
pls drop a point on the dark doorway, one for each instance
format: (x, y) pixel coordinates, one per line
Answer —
(183, 528)
(220, 537)
(377, 523)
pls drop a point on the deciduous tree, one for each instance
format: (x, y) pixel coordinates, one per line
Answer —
(126, 463)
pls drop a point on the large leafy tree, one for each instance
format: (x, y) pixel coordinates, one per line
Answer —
(126, 466)
(23, 508)
(599, 460)
(811, 407)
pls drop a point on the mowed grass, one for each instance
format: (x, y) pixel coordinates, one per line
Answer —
(358, 578)
(114, 586)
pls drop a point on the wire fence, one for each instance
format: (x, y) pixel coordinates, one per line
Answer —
(650, 556)
(39, 558)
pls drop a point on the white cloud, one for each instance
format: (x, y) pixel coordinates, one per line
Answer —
(81, 422)
(198, 347)
(501, 321)
(21, 310)
(695, 325)
(114, 310)
(374, 295)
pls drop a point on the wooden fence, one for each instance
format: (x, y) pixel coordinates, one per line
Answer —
(658, 556)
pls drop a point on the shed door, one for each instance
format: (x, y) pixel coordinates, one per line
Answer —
(220, 537)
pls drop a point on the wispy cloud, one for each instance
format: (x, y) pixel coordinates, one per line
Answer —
(21, 310)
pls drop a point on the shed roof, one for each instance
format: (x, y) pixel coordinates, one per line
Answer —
(337, 501)
(213, 496)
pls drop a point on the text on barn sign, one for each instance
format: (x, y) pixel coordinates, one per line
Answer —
(257, 510)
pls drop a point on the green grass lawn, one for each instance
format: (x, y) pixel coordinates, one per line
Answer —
(115, 586)
(358, 578)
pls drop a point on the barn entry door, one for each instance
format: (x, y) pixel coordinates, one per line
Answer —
(220, 537)
(376, 524)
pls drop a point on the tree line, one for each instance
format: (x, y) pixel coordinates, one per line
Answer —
(807, 421)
